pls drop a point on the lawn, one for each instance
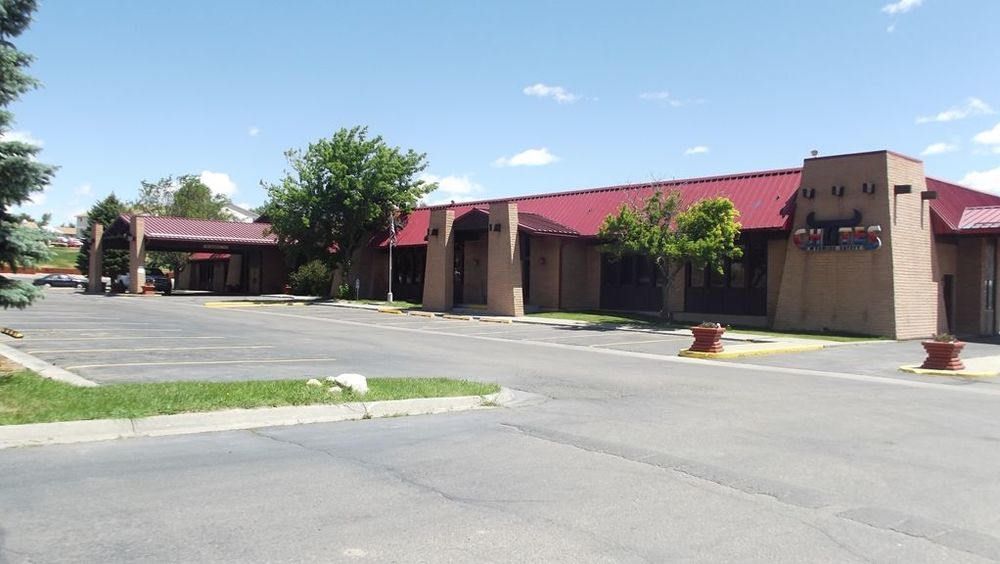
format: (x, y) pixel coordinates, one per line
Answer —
(642, 320)
(62, 257)
(26, 397)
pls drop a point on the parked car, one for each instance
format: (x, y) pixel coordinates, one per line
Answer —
(154, 276)
(62, 281)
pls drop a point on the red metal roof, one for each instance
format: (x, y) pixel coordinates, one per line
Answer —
(163, 228)
(951, 204)
(759, 196)
(981, 217)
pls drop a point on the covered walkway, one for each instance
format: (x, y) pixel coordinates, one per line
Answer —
(252, 264)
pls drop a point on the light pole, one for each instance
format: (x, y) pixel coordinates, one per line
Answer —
(392, 242)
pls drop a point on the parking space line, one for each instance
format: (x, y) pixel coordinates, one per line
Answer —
(32, 340)
(104, 329)
(150, 349)
(193, 362)
(508, 331)
(65, 322)
(589, 334)
(636, 342)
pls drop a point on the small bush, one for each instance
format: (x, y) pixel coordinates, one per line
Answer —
(312, 279)
(345, 292)
(944, 338)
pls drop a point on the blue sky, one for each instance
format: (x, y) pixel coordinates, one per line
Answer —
(506, 98)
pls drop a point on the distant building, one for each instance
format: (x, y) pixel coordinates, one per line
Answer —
(239, 214)
(82, 222)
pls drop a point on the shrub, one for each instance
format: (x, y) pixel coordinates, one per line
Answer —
(345, 292)
(944, 338)
(312, 278)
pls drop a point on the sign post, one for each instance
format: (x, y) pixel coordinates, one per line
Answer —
(392, 242)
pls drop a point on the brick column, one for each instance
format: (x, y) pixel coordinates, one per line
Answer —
(137, 255)
(439, 267)
(96, 266)
(503, 288)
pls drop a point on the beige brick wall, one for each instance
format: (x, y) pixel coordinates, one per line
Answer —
(841, 290)
(776, 249)
(476, 272)
(545, 260)
(675, 299)
(439, 275)
(503, 292)
(573, 286)
(915, 288)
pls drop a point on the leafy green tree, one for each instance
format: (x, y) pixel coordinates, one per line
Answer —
(20, 174)
(339, 192)
(105, 212)
(185, 196)
(704, 234)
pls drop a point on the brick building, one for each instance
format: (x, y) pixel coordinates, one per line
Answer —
(863, 243)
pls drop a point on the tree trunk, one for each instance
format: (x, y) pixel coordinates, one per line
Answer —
(669, 276)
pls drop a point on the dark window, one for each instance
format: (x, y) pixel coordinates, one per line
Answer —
(737, 275)
(642, 272)
(697, 277)
(627, 270)
(715, 278)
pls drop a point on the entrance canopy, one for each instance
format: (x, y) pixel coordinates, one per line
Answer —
(190, 235)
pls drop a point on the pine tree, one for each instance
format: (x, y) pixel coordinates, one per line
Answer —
(105, 212)
(20, 174)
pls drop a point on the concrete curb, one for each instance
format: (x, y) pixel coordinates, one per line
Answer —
(45, 369)
(951, 373)
(233, 304)
(12, 333)
(758, 352)
(67, 432)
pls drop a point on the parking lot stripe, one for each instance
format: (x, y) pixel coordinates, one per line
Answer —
(221, 347)
(32, 340)
(104, 329)
(622, 343)
(65, 322)
(590, 334)
(192, 362)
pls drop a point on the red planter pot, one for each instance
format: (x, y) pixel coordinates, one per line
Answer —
(707, 339)
(943, 356)
(148, 288)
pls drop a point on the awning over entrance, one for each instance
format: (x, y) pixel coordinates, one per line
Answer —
(184, 234)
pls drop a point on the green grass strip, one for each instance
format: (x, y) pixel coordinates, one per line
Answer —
(26, 397)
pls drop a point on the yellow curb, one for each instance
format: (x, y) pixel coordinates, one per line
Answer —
(12, 333)
(740, 354)
(392, 310)
(252, 304)
(422, 313)
(960, 373)
(496, 320)
(457, 317)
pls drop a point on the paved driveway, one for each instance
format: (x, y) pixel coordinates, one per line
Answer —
(632, 457)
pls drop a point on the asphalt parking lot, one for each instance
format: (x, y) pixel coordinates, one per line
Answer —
(121, 339)
(631, 456)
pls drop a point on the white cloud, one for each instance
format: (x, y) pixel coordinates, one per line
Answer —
(988, 180)
(253, 131)
(901, 7)
(83, 189)
(219, 182)
(696, 150)
(662, 97)
(22, 136)
(989, 137)
(972, 107)
(530, 157)
(939, 148)
(557, 93)
(452, 188)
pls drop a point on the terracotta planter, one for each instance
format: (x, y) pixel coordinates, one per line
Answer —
(707, 339)
(943, 356)
(287, 289)
(149, 288)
